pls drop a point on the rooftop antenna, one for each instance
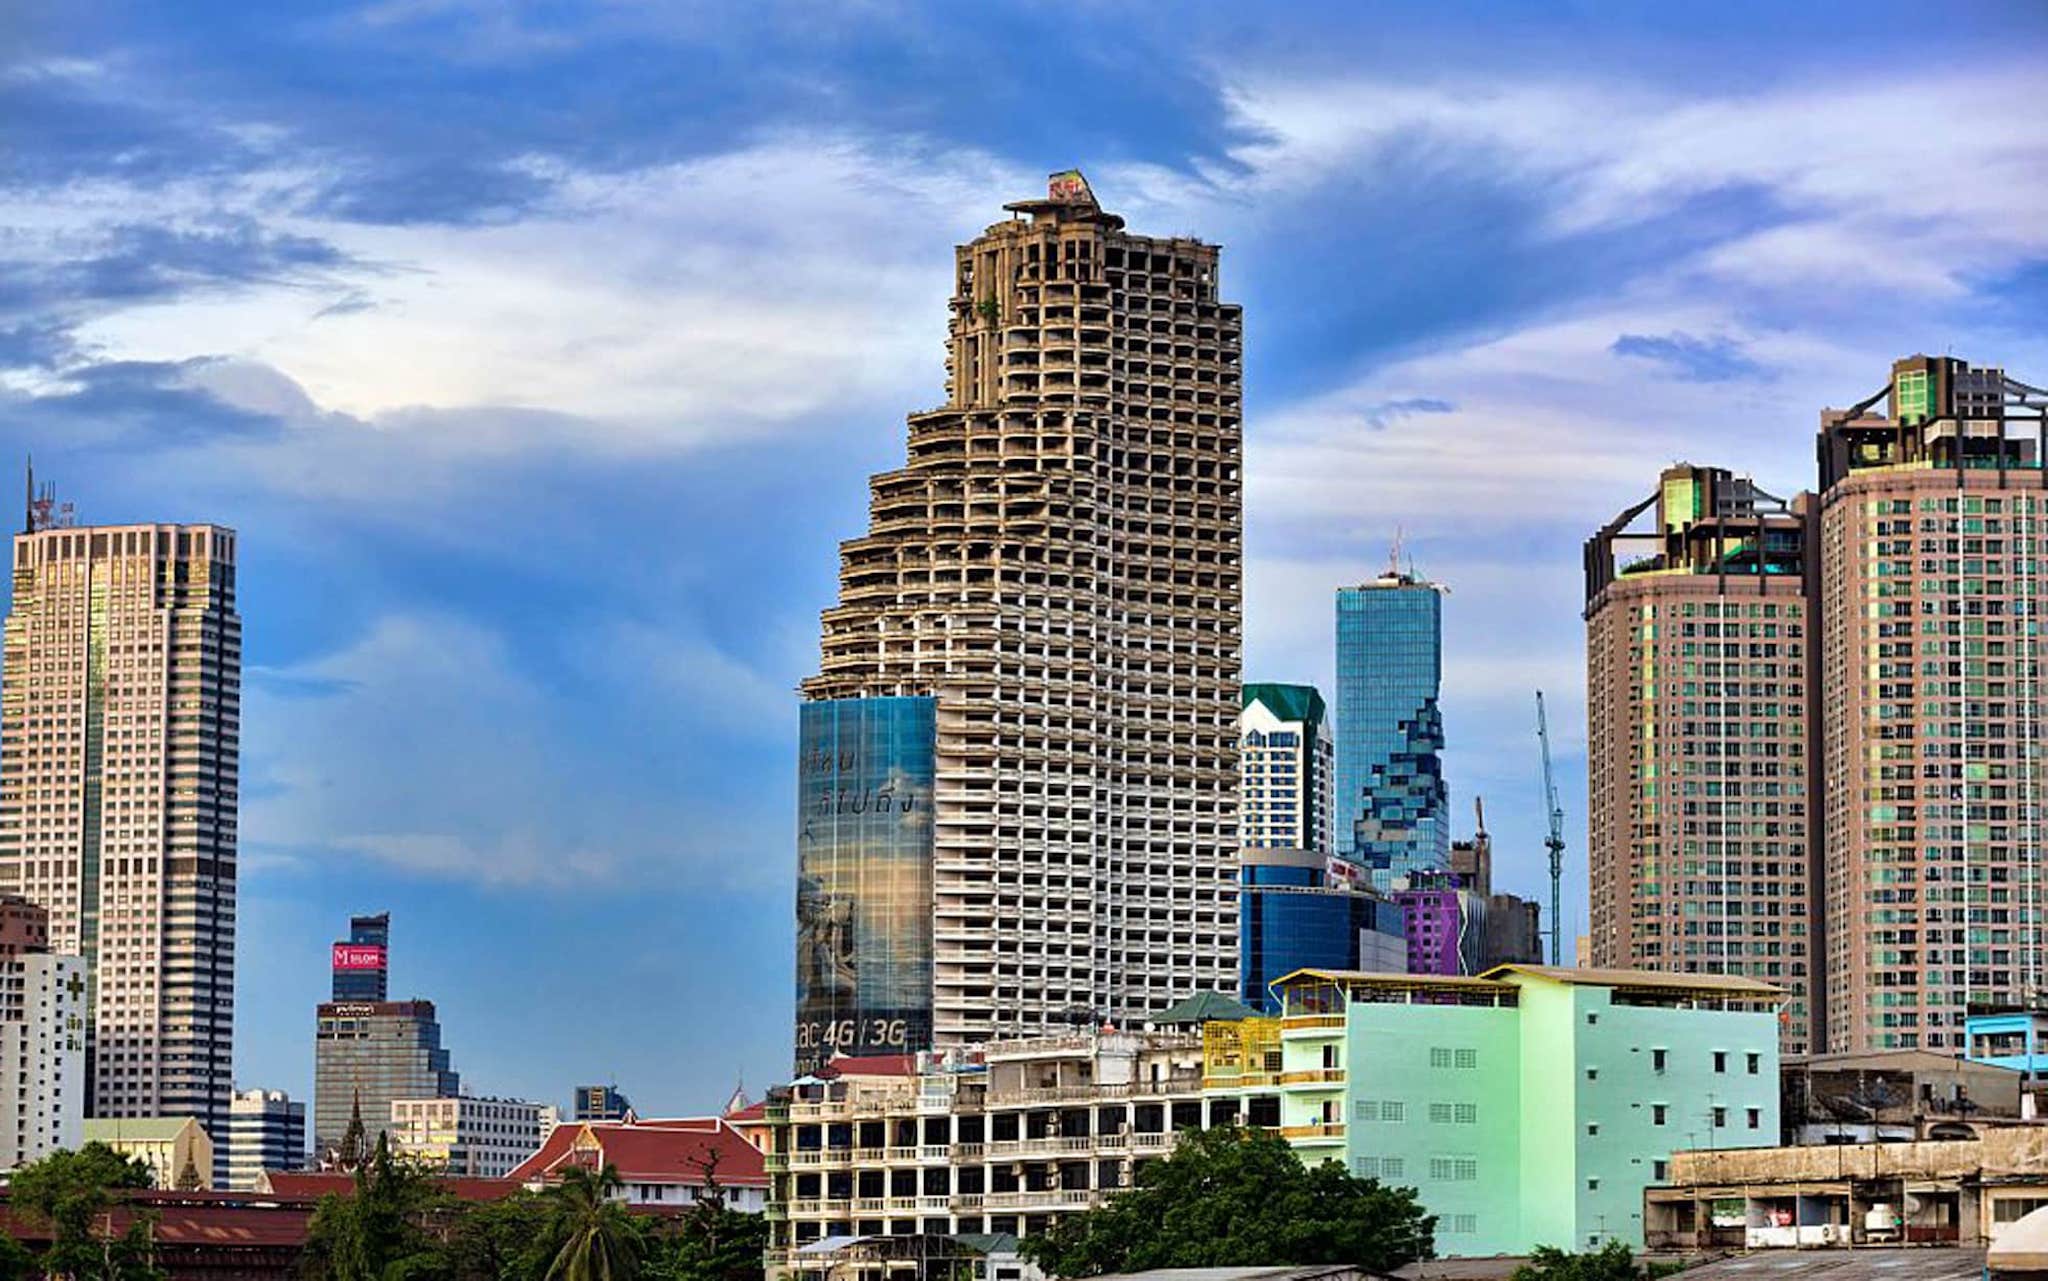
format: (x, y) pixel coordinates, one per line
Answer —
(28, 509)
(1555, 841)
(1394, 553)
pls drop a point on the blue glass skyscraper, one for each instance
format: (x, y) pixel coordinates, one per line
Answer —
(1392, 807)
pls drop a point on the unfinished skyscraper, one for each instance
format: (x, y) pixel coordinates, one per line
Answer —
(1019, 765)
(120, 726)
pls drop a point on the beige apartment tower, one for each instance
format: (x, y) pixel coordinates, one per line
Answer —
(1699, 692)
(1932, 553)
(1057, 569)
(119, 724)
(1887, 634)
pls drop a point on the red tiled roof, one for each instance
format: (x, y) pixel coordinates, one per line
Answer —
(184, 1219)
(311, 1185)
(673, 1151)
(871, 1065)
(751, 1112)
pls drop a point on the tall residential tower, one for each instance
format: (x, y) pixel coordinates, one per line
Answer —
(120, 727)
(1932, 551)
(1019, 766)
(1699, 693)
(1816, 738)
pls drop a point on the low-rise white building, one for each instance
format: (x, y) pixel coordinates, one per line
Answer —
(42, 1055)
(465, 1136)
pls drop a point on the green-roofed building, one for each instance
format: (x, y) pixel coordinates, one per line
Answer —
(175, 1148)
(1285, 756)
(1202, 1007)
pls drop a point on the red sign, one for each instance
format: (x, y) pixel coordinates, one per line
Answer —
(358, 956)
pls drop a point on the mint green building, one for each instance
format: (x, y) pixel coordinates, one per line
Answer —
(1529, 1106)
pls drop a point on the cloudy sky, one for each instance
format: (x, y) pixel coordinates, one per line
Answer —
(539, 352)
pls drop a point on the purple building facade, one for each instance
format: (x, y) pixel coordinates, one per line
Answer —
(1445, 921)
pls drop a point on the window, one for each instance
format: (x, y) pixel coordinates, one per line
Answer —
(1592, 1074)
(1365, 1110)
(1366, 1167)
(1660, 1171)
(1592, 1185)
(1465, 1113)
(1720, 1118)
(1439, 1114)
(1755, 1061)
(1592, 1129)
(1468, 1058)
(1720, 1060)
(1439, 1056)
(1755, 1117)
(1658, 1111)
(1393, 1110)
(1657, 1059)
(1391, 1167)
(1592, 1019)
(1464, 1224)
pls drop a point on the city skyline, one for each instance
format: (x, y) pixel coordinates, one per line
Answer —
(539, 545)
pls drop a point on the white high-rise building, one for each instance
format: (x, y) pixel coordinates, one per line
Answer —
(266, 1131)
(1285, 761)
(42, 1056)
(1019, 763)
(120, 727)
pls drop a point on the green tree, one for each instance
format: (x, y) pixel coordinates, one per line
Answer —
(711, 1243)
(599, 1240)
(1611, 1262)
(505, 1240)
(392, 1226)
(73, 1194)
(16, 1261)
(1232, 1197)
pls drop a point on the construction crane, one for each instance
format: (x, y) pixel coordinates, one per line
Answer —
(1555, 841)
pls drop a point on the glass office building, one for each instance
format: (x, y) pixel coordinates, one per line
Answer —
(368, 1053)
(864, 877)
(1392, 806)
(1290, 917)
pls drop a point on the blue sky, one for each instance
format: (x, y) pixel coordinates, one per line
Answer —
(539, 353)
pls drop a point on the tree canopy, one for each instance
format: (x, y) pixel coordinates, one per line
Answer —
(70, 1192)
(397, 1224)
(1234, 1197)
(1611, 1262)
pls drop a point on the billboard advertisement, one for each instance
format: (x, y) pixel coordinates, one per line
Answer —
(358, 956)
(864, 878)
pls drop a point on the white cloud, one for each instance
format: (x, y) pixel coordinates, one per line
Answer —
(668, 306)
(1931, 177)
(422, 745)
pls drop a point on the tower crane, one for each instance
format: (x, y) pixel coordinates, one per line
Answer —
(1555, 841)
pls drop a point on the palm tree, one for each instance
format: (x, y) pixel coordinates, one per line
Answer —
(599, 1240)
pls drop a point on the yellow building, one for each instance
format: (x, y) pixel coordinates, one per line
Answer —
(168, 1145)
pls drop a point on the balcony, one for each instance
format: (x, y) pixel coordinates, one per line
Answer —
(1319, 1132)
(1313, 1077)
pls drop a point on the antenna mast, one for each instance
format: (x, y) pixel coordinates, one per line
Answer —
(1555, 841)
